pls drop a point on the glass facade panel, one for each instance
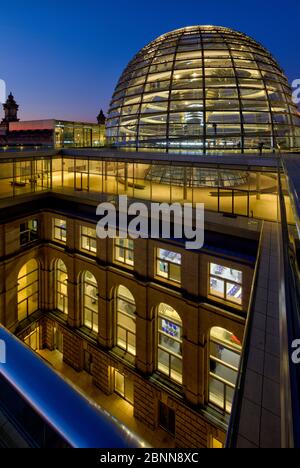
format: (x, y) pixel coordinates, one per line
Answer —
(217, 68)
(76, 134)
(254, 194)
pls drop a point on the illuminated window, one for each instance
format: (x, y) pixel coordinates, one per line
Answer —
(168, 265)
(225, 283)
(28, 289)
(58, 340)
(28, 232)
(88, 239)
(60, 230)
(216, 444)
(169, 355)
(33, 339)
(124, 386)
(126, 320)
(124, 251)
(61, 286)
(90, 301)
(225, 350)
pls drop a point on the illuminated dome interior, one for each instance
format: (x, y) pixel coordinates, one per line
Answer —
(203, 89)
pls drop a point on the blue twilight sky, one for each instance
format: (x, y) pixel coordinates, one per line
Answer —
(62, 58)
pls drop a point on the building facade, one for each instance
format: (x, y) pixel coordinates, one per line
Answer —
(159, 325)
(56, 134)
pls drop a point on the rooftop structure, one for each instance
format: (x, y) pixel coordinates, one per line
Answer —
(203, 89)
(48, 133)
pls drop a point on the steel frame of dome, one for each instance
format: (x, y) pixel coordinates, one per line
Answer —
(195, 177)
(203, 89)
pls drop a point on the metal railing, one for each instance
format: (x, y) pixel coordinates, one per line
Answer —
(233, 427)
(289, 313)
(289, 317)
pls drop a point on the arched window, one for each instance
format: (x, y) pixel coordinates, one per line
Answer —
(225, 351)
(61, 286)
(28, 289)
(90, 301)
(169, 342)
(126, 320)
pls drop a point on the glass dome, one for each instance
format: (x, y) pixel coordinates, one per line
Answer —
(203, 89)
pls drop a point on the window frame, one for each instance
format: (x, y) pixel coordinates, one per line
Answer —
(170, 416)
(90, 239)
(31, 232)
(124, 395)
(211, 375)
(62, 238)
(123, 313)
(94, 315)
(127, 250)
(162, 348)
(226, 282)
(36, 293)
(57, 291)
(170, 264)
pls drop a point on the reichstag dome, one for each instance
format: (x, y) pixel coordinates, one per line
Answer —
(206, 90)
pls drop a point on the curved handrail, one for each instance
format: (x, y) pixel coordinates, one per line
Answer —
(78, 421)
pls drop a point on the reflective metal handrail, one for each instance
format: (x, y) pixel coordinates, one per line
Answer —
(79, 422)
(289, 310)
(233, 426)
(289, 331)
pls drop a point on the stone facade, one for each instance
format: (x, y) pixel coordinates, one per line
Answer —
(198, 311)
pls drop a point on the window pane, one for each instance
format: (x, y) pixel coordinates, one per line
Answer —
(176, 369)
(234, 293)
(121, 339)
(162, 269)
(229, 399)
(173, 257)
(224, 272)
(163, 361)
(216, 392)
(175, 273)
(217, 287)
(119, 383)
